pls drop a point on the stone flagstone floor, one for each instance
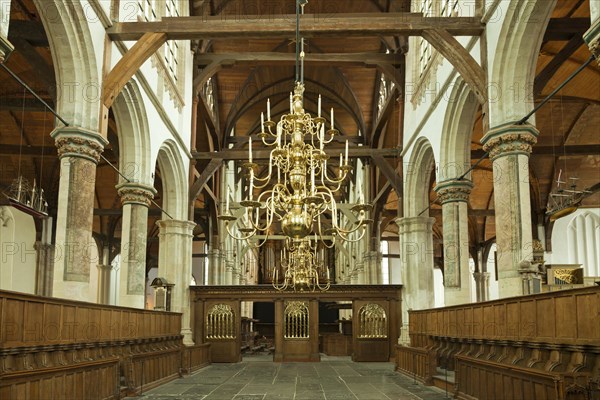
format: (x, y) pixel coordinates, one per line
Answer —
(331, 379)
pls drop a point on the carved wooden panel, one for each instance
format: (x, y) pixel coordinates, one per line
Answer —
(373, 323)
(370, 331)
(221, 329)
(296, 320)
(220, 322)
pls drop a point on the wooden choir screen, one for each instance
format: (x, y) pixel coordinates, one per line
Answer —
(221, 328)
(372, 322)
(371, 331)
(296, 320)
(220, 322)
(296, 330)
(296, 327)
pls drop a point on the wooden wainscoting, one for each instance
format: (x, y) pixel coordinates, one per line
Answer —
(337, 344)
(196, 357)
(86, 380)
(62, 349)
(480, 379)
(416, 362)
(545, 346)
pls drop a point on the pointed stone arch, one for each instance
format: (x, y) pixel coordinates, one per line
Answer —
(174, 179)
(457, 130)
(134, 135)
(73, 54)
(515, 59)
(417, 176)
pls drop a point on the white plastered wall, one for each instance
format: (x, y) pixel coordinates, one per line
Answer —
(17, 251)
(572, 247)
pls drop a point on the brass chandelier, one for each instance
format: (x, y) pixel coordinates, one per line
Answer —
(298, 191)
(302, 268)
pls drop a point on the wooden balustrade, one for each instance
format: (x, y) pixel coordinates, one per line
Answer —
(416, 362)
(546, 346)
(63, 349)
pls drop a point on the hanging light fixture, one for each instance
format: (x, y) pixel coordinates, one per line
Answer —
(303, 270)
(298, 191)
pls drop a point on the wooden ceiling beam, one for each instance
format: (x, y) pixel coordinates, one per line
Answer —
(270, 58)
(390, 173)
(384, 117)
(25, 150)
(471, 72)
(207, 173)
(241, 140)
(284, 26)
(565, 28)
(129, 64)
(17, 104)
(542, 79)
(211, 122)
(226, 155)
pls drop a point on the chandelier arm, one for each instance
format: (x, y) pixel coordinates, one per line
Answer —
(264, 139)
(238, 237)
(345, 237)
(334, 180)
(320, 230)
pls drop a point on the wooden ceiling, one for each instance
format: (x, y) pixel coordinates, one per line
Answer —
(567, 124)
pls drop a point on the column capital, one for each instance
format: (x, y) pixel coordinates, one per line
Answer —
(135, 193)
(174, 226)
(414, 224)
(73, 141)
(105, 267)
(6, 48)
(510, 138)
(454, 190)
(592, 38)
(481, 276)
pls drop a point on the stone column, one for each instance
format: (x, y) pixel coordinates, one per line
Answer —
(5, 46)
(416, 261)
(79, 151)
(136, 199)
(215, 271)
(175, 265)
(454, 197)
(509, 146)
(104, 272)
(481, 285)
(45, 268)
